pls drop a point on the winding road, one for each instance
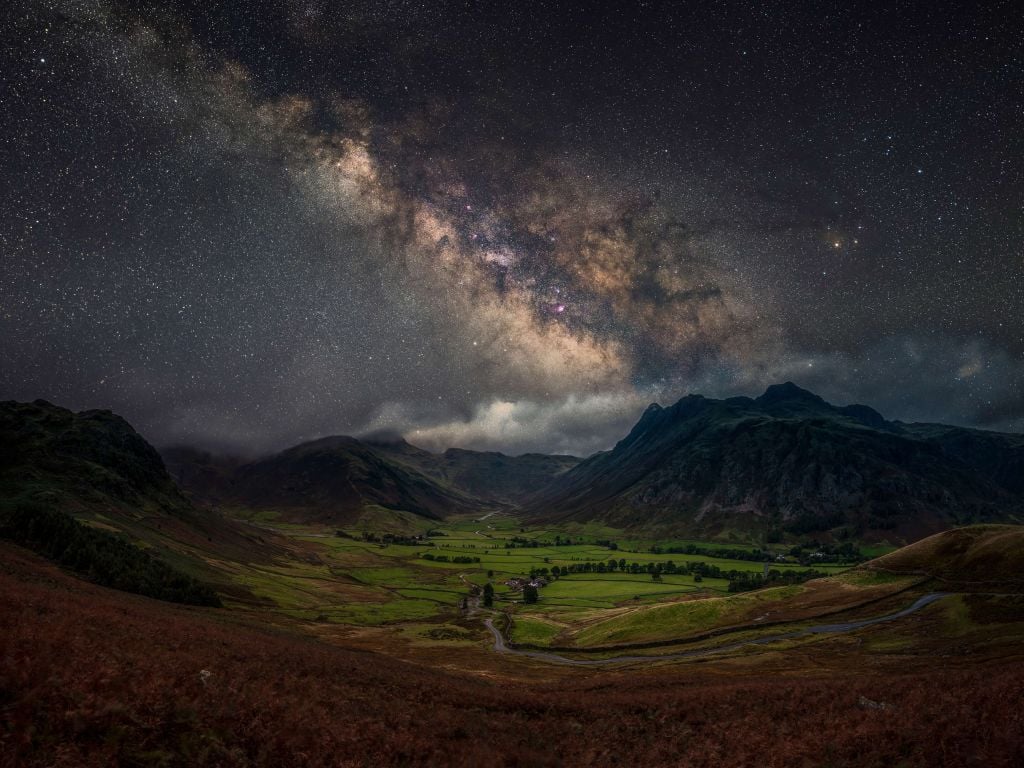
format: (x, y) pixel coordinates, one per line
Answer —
(820, 629)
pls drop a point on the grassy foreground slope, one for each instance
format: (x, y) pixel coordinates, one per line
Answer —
(978, 556)
(695, 618)
(94, 677)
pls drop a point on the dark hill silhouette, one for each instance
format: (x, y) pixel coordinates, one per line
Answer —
(789, 462)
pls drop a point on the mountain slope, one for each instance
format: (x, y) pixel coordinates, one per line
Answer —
(788, 462)
(88, 492)
(335, 478)
(978, 557)
(329, 480)
(495, 476)
(84, 461)
(486, 475)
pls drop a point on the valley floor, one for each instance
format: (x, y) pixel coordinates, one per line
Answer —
(388, 576)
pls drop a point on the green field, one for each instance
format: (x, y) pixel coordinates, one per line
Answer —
(658, 622)
(360, 578)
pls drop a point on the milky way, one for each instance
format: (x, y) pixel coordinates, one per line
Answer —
(506, 227)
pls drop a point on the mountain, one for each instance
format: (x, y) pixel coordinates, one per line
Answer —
(497, 477)
(998, 456)
(87, 491)
(789, 462)
(486, 475)
(94, 466)
(336, 478)
(333, 480)
(205, 476)
(85, 461)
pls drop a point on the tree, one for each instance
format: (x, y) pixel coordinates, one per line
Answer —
(488, 595)
(529, 594)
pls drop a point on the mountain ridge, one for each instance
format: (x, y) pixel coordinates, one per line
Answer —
(790, 462)
(335, 478)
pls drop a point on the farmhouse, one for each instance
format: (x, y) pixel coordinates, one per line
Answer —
(518, 583)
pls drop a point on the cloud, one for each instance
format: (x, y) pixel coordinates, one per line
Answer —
(574, 424)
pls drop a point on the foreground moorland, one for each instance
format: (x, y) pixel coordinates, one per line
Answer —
(96, 677)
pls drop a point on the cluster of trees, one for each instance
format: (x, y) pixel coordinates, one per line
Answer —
(446, 559)
(393, 538)
(755, 555)
(612, 566)
(745, 582)
(845, 553)
(101, 556)
(519, 542)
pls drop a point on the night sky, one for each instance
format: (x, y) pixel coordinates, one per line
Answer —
(512, 225)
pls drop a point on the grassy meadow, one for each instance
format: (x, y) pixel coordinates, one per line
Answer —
(359, 578)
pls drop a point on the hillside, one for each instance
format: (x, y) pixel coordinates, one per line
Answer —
(88, 492)
(975, 557)
(788, 462)
(332, 480)
(86, 461)
(489, 476)
(94, 466)
(985, 559)
(335, 478)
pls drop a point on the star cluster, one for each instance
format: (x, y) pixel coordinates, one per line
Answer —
(243, 225)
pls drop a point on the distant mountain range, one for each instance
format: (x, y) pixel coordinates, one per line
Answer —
(488, 476)
(784, 464)
(334, 479)
(329, 480)
(788, 462)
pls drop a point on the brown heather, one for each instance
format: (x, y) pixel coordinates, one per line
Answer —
(92, 677)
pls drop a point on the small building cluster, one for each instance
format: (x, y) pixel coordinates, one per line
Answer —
(519, 582)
